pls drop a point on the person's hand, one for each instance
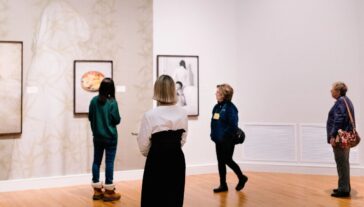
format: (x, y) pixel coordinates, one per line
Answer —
(332, 142)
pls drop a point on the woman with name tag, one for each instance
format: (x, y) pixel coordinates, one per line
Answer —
(224, 123)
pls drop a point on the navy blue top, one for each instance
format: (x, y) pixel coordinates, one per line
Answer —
(224, 127)
(338, 117)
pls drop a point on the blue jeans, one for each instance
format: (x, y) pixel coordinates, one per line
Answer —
(110, 151)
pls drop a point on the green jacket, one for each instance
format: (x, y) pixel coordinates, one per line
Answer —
(104, 118)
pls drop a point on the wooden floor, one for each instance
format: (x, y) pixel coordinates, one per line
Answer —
(262, 189)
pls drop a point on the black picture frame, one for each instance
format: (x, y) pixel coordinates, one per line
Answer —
(87, 76)
(184, 69)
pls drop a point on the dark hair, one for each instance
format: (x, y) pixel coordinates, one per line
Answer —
(106, 90)
(182, 63)
(179, 82)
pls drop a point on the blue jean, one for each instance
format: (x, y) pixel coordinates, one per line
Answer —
(110, 151)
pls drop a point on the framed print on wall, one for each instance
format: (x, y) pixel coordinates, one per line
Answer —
(88, 75)
(184, 71)
(11, 87)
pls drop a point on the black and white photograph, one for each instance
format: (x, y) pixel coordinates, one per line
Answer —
(184, 71)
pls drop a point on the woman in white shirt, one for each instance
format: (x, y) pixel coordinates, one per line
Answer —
(162, 133)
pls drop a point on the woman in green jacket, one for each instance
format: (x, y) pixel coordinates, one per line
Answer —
(104, 116)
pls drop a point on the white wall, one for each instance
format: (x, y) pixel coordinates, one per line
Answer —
(207, 28)
(281, 57)
(290, 52)
(360, 110)
(360, 116)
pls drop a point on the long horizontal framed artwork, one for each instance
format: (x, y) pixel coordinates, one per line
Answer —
(11, 87)
(88, 75)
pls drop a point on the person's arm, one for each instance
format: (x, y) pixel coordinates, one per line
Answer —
(232, 122)
(145, 133)
(115, 115)
(90, 111)
(332, 142)
(184, 135)
(211, 121)
(339, 118)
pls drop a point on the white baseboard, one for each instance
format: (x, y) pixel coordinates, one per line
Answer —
(63, 181)
(84, 179)
(298, 168)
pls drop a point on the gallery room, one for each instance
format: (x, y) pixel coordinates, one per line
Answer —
(290, 63)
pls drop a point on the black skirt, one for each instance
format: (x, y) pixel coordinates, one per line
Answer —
(164, 172)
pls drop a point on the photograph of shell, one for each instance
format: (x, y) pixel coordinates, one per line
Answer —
(88, 75)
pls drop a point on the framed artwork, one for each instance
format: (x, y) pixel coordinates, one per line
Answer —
(11, 87)
(88, 75)
(184, 71)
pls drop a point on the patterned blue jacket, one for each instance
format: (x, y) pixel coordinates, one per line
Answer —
(224, 127)
(338, 117)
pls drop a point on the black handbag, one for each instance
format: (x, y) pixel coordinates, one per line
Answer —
(239, 136)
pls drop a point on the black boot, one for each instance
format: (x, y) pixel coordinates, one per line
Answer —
(340, 194)
(221, 188)
(241, 183)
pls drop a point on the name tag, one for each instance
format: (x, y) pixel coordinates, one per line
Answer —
(216, 116)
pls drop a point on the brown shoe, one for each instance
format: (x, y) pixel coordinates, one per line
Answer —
(110, 194)
(98, 193)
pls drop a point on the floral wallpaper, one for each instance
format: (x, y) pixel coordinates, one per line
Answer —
(55, 33)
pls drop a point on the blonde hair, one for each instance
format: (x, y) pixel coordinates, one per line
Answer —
(341, 87)
(165, 90)
(226, 90)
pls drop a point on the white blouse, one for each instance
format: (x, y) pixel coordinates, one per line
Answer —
(161, 118)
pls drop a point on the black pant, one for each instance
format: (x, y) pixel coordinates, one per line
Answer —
(343, 168)
(224, 152)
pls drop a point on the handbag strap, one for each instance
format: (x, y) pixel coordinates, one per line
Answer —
(350, 116)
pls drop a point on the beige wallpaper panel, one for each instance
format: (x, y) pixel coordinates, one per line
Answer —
(54, 141)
